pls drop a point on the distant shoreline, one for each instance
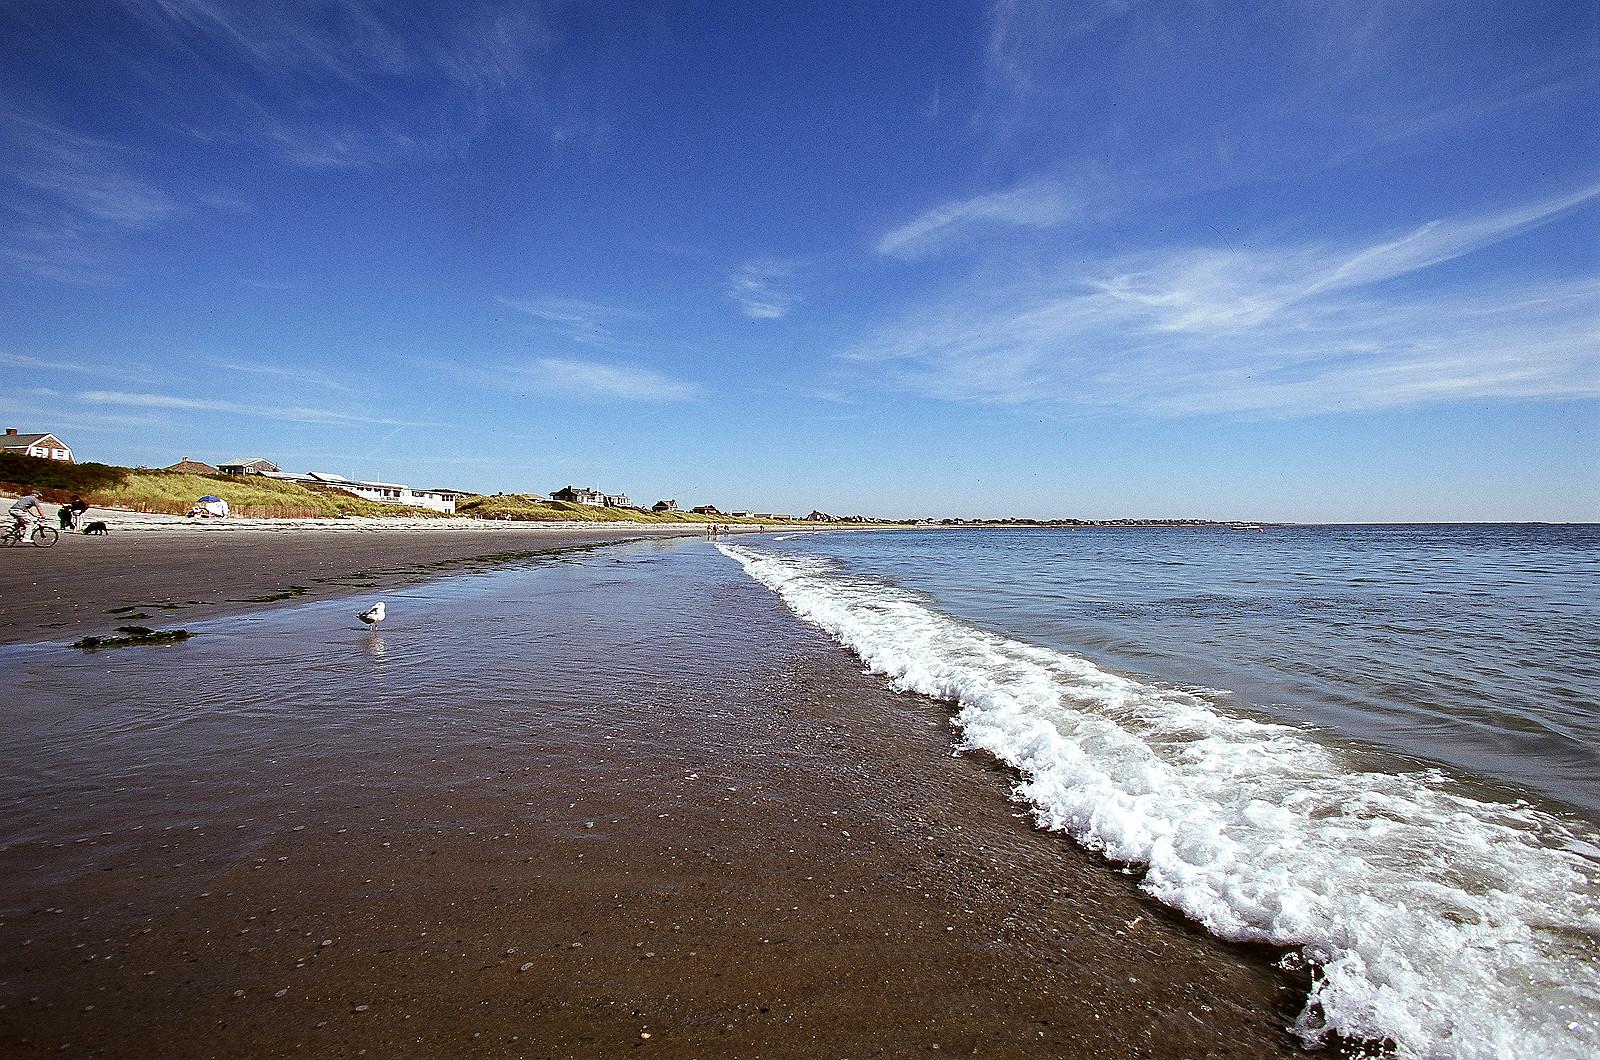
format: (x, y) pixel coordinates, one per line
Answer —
(167, 577)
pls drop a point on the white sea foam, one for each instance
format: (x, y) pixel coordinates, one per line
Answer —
(1447, 925)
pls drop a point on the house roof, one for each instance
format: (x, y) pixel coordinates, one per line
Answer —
(22, 441)
(193, 467)
(248, 462)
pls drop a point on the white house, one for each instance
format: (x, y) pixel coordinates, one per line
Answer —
(585, 495)
(579, 495)
(47, 446)
(381, 492)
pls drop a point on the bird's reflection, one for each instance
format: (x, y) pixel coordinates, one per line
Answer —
(374, 646)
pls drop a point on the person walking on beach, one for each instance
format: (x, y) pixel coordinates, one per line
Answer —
(27, 513)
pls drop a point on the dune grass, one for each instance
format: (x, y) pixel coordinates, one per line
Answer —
(174, 492)
(521, 507)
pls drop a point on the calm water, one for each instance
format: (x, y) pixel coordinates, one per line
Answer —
(1374, 747)
(1472, 646)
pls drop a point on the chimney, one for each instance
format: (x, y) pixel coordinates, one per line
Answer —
(11, 430)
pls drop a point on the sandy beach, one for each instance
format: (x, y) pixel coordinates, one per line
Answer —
(700, 830)
(161, 570)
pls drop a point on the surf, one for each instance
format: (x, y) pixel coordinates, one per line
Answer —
(1445, 923)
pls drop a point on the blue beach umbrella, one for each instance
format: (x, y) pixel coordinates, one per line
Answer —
(208, 499)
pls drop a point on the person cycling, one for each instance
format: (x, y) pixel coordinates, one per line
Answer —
(26, 514)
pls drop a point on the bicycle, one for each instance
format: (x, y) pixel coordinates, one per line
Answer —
(42, 536)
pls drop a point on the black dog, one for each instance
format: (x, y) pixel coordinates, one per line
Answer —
(97, 527)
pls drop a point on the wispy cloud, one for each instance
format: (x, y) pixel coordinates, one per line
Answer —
(762, 288)
(267, 412)
(587, 323)
(350, 83)
(123, 370)
(1149, 93)
(301, 376)
(1275, 329)
(1037, 205)
(592, 380)
(73, 199)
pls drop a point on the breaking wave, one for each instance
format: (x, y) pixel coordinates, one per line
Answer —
(1447, 925)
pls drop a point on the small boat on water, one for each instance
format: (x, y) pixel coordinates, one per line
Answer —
(1247, 526)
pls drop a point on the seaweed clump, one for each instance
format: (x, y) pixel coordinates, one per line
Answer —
(132, 635)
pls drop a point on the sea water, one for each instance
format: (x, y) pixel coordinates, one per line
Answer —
(1374, 747)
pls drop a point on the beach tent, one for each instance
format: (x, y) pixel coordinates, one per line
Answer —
(209, 506)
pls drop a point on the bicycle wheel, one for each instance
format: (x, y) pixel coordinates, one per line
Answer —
(44, 536)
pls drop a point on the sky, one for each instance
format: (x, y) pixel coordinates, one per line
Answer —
(1323, 261)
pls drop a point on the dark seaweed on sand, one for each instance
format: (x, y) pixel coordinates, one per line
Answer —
(133, 635)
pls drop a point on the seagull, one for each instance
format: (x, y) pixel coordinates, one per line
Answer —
(372, 615)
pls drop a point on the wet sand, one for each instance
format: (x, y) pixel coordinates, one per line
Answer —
(732, 843)
(88, 585)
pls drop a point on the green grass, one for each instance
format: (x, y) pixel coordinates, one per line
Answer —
(174, 493)
(520, 507)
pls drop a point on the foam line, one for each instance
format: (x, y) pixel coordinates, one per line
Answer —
(1447, 925)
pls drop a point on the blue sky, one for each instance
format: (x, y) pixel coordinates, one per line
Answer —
(1321, 261)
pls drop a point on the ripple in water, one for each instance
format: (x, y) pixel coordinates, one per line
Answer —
(1448, 923)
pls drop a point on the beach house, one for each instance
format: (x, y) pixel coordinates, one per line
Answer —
(579, 495)
(585, 495)
(705, 509)
(47, 446)
(381, 492)
(191, 467)
(254, 466)
(664, 506)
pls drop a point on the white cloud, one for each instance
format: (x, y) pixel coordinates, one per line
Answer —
(593, 380)
(761, 289)
(1038, 205)
(72, 200)
(350, 83)
(587, 323)
(267, 412)
(303, 376)
(1286, 329)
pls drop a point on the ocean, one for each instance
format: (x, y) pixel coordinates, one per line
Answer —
(1339, 780)
(1372, 746)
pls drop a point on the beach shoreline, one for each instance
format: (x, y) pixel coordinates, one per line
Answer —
(173, 571)
(665, 814)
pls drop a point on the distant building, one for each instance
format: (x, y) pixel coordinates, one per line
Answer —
(47, 446)
(257, 466)
(192, 467)
(705, 509)
(739, 514)
(579, 495)
(381, 492)
(820, 517)
(664, 506)
(585, 495)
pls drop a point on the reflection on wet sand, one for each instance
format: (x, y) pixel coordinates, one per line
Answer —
(622, 796)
